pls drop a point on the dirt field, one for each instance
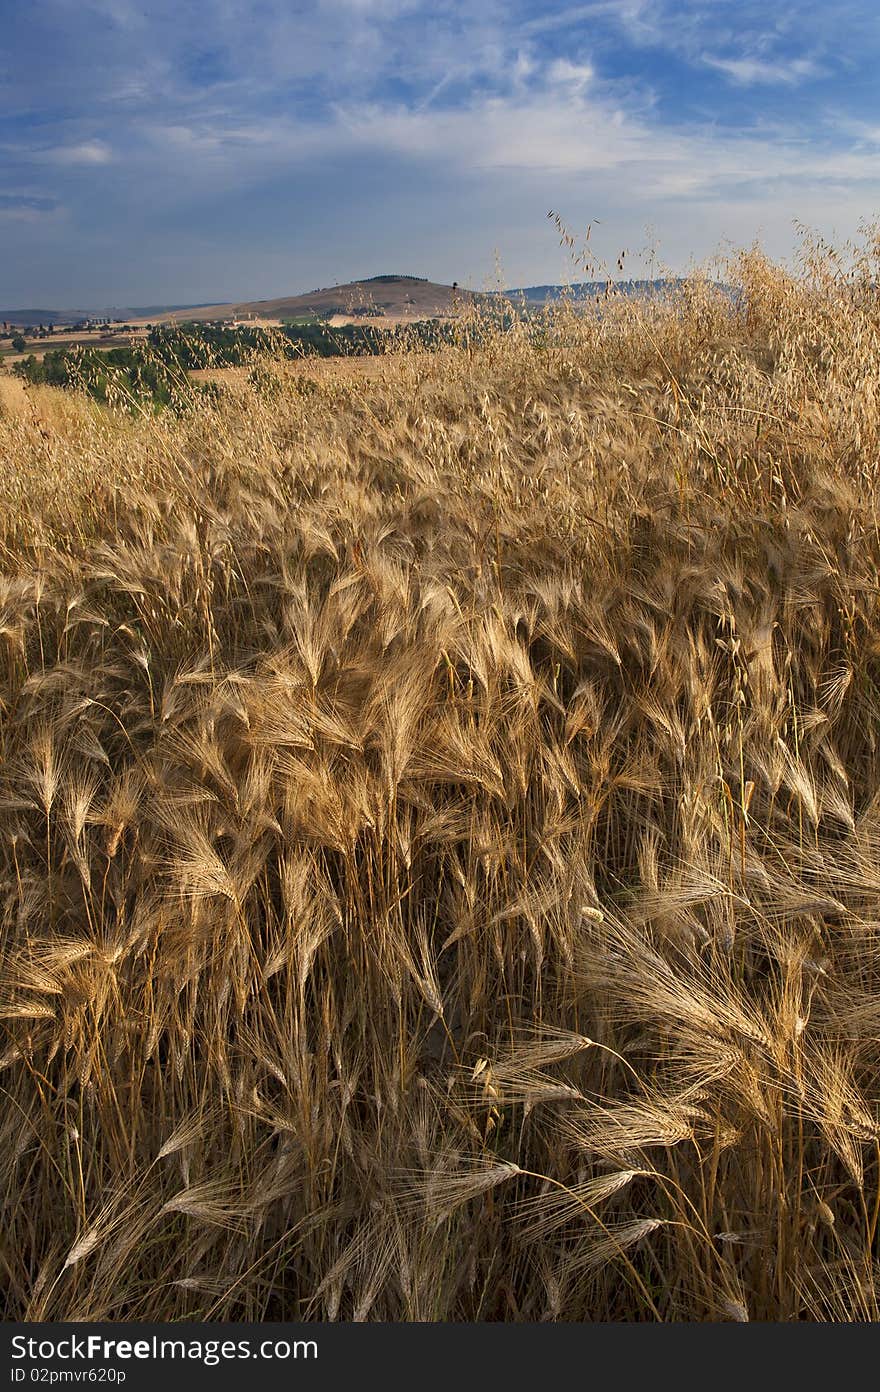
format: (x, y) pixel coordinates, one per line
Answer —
(64, 339)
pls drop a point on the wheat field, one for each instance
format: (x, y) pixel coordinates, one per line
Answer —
(440, 832)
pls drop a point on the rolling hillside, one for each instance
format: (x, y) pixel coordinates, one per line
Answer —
(388, 296)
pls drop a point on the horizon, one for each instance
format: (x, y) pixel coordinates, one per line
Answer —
(570, 284)
(215, 153)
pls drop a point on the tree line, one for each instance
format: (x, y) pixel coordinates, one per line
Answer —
(156, 368)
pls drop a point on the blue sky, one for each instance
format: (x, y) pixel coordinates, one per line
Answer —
(154, 151)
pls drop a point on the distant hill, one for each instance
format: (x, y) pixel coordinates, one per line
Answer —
(588, 289)
(379, 296)
(29, 318)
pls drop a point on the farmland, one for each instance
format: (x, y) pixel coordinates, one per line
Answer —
(439, 825)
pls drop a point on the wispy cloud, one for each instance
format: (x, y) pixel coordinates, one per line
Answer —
(576, 76)
(562, 128)
(751, 71)
(628, 13)
(27, 208)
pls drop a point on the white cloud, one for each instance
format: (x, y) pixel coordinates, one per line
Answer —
(86, 152)
(555, 130)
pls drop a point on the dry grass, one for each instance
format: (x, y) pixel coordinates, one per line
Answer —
(323, 371)
(439, 830)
